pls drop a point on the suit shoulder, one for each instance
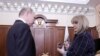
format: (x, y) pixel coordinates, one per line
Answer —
(19, 26)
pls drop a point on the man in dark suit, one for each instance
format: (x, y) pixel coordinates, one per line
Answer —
(19, 40)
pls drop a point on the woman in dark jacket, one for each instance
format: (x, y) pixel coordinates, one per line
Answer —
(83, 44)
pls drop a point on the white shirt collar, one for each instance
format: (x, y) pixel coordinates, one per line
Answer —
(22, 20)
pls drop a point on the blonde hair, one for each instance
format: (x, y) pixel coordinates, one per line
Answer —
(82, 22)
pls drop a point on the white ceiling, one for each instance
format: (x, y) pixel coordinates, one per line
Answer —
(91, 2)
(55, 7)
(69, 1)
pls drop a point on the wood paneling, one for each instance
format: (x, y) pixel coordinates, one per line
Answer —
(94, 32)
(46, 39)
(3, 35)
(71, 33)
(38, 34)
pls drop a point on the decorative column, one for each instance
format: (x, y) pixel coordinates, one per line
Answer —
(98, 18)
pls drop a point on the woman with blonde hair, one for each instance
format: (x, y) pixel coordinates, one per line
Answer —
(83, 44)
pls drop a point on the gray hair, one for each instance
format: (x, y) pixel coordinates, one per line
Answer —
(82, 21)
(25, 9)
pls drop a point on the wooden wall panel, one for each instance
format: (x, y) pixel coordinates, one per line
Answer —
(60, 31)
(39, 35)
(46, 39)
(71, 33)
(3, 36)
(49, 41)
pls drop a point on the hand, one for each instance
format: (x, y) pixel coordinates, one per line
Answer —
(61, 50)
(59, 45)
(66, 44)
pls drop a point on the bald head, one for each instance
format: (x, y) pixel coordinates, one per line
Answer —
(24, 10)
(27, 14)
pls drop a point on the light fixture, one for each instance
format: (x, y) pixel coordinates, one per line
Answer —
(69, 1)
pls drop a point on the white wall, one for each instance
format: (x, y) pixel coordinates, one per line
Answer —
(8, 18)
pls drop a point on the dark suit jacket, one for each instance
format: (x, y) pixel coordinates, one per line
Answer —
(83, 45)
(20, 41)
(97, 44)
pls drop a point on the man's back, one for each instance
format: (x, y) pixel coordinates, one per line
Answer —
(20, 41)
